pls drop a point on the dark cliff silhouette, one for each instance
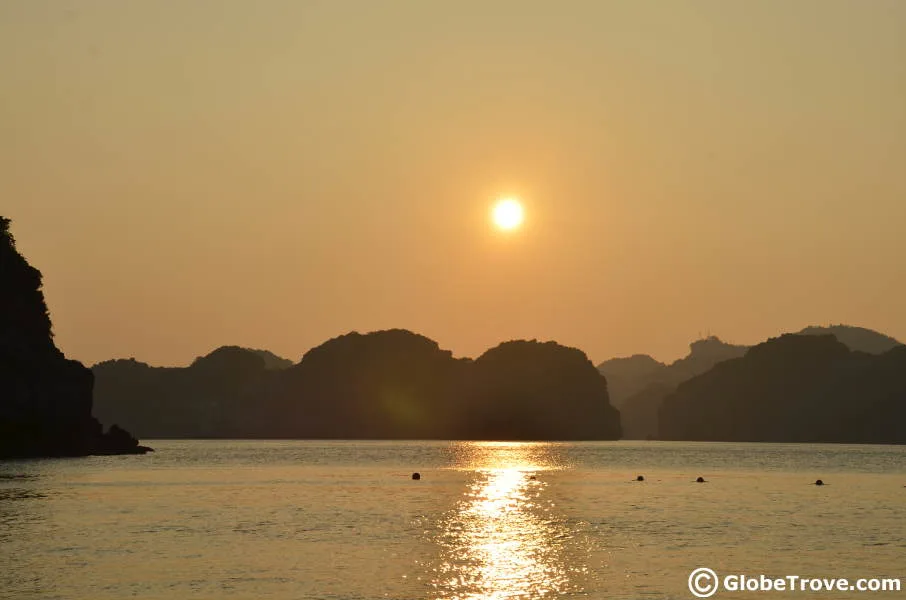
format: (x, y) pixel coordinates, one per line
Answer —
(795, 388)
(381, 385)
(391, 384)
(533, 390)
(45, 399)
(639, 383)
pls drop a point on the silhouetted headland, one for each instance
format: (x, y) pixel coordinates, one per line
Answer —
(391, 384)
(639, 384)
(795, 388)
(45, 399)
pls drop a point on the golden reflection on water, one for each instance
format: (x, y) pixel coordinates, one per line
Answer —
(505, 539)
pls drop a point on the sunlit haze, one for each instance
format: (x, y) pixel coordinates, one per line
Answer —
(273, 174)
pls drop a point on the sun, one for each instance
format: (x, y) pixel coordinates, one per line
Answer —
(507, 214)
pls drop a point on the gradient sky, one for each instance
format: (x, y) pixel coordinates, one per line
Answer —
(192, 173)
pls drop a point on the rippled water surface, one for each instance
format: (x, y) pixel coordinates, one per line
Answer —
(341, 520)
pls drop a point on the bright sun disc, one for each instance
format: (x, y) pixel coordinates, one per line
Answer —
(507, 214)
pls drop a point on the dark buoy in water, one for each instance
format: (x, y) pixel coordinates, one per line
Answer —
(416, 476)
(700, 480)
(819, 482)
(640, 478)
(532, 478)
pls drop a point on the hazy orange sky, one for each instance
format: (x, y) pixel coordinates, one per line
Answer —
(188, 174)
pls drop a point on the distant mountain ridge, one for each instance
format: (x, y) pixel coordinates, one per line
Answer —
(630, 375)
(640, 383)
(397, 384)
(858, 339)
(795, 388)
(272, 362)
(391, 384)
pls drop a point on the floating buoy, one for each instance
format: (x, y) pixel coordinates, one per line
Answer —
(700, 480)
(640, 478)
(416, 476)
(532, 478)
(819, 482)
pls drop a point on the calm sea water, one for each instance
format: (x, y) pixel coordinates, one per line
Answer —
(342, 520)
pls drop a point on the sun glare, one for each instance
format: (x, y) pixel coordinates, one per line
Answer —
(507, 214)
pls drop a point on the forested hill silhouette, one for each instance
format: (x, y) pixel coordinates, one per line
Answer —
(271, 360)
(391, 384)
(638, 384)
(532, 390)
(628, 376)
(856, 338)
(795, 388)
(202, 400)
(45, 399)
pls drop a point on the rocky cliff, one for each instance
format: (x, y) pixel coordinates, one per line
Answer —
(45, 399)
